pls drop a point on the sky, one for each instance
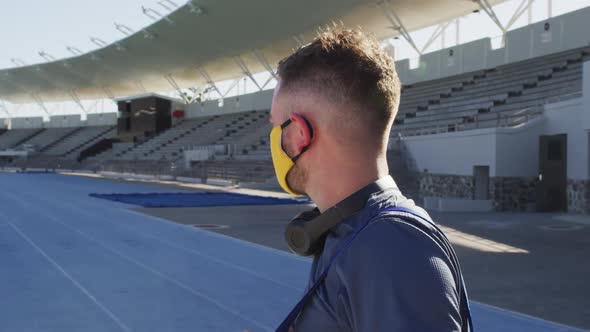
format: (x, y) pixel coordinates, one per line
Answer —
(28, 27)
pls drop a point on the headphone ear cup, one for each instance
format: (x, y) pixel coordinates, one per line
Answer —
(298, 237)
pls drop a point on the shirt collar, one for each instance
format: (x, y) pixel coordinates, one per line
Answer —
(389, 197)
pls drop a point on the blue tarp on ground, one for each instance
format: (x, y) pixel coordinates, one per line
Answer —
(195, 199)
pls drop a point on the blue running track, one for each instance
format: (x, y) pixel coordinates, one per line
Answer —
(70, 262)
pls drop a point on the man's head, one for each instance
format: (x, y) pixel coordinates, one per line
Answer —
(341, 93)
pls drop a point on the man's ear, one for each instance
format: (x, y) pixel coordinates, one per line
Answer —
(302, 132)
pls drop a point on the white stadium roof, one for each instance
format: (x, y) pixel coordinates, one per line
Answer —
(213, 40)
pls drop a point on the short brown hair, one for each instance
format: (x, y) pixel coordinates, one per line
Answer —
(349, 68)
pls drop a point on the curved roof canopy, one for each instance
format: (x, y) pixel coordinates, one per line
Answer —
(209, 35)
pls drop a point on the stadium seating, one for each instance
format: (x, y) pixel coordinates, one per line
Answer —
(503, 96)
(50, 136)
(481, 99)
(15, 137)
(71, 145)
(168, 145)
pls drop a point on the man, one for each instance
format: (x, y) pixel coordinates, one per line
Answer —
(332, 112)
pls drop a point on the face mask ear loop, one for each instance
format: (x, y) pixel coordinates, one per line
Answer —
(294, 159)
(285, 124)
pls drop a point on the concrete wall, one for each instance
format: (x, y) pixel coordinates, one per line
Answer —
(253, 101)
(566, 118)
(27, 122)
(586, 96)
(454, 153)
(565, 32)
(4, 123)
(101, 119)
(58, 121)
(517, 150)
(509, 152)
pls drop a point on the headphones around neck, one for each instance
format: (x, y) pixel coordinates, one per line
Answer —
(305, 234)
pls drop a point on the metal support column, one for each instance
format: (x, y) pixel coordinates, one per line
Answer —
(299, 40)
(140, 86)
(396, 23)
(176, 87)
(40, 103)
(77, 100)
(238, 60)
(487, 8)
(260, 57)
(457, 31)
(438, 32)
(209, 81)
(5, 109)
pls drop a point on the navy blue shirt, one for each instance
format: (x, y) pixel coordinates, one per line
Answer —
(392, 278)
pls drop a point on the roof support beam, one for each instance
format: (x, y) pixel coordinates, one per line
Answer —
(109, 93)
(457, 31)
(75, 51)
(98, 42)
(233, 85)
(166, 4)
(238, 60)
(37, 98)
(176, 87)
(260, 57)
(397, 23)
(487, 8)
(123, 29)
(299, 40)
(18, 62)
(267, 81)
(5, 109)
(77, 100)
(209, 81)
(439, 31)
(140, 86)
(525, 5)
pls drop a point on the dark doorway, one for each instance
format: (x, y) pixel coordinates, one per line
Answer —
(552, 190)
(481, 175)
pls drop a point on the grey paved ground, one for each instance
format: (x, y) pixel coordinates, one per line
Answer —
(551, 281)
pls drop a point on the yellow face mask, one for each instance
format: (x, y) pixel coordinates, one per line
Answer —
(281, 161)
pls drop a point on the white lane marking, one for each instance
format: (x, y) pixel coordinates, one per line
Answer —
(479, 243)
(221, 236)
(161, 275)
(193, 251)
(574, 218)
(109, 313)
(516, 314)
(137, 231)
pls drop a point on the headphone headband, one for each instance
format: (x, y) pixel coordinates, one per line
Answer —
(306, 232)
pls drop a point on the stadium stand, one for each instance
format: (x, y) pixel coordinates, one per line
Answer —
(168, 145)
(235, 141)
(507, 95)
(46, 138)
(15, 137)
(490, 98)
(71, 145)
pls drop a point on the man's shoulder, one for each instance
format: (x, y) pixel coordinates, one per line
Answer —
(391, 245)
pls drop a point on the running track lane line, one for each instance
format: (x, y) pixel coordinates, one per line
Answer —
(137, 230)
(109, 313)
(143, 266)
(159, 274)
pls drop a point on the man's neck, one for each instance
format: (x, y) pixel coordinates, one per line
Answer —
(337, 184)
